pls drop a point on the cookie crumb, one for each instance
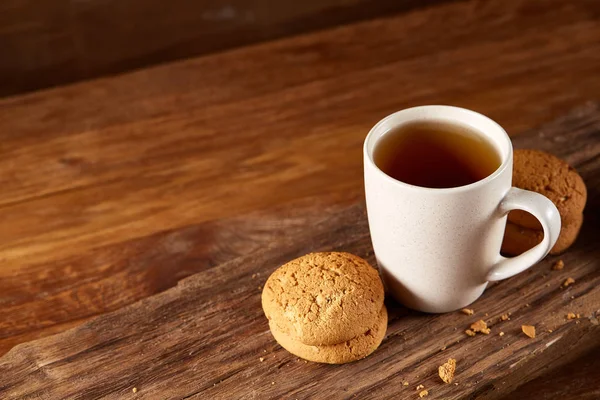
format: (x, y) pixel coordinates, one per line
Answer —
(486, 314)
(527, 305)
(470, 332)
(262, 359)
(446, 370)
(419, 387)
(528, 330)
(550, 331)
(272, 383)
(501, 334)
(480, 326)
(260, 288)
(456, 384)
(577, 322)
(253, 276)
(558, 265)
(134, 390)
(568, 282)
(423, 393)
(504, 317)
(405, 383)
(443, 348)
(467, 311)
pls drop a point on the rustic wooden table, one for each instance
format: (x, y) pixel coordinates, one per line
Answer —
(115, 189)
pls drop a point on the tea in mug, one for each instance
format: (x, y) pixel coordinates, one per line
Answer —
(436, 155)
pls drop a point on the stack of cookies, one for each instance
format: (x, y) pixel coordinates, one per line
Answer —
(554, 178)
(326, 307)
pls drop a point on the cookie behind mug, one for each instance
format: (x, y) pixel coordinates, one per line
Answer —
(548, 175)
(554, 178)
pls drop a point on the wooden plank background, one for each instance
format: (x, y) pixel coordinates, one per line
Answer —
(51, 42)
(205, 338)
(203, 142)
(207, 142)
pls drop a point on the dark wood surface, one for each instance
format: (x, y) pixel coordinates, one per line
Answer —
(93, 172)
(50, 42)
(205, 337)
(575, 380)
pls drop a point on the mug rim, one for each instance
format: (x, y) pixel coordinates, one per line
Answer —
(506, 155)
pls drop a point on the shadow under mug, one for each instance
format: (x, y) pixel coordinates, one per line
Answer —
(438, 248)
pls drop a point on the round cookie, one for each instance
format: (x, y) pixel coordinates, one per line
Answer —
(517, 239)
(323, 298)
(554, 178)
(354, 349)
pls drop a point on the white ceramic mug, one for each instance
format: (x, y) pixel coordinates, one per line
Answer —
(438, 248)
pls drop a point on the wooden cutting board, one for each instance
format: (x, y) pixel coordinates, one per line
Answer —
(207, 338)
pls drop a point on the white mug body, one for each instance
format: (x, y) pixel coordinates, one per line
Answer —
(435, 248)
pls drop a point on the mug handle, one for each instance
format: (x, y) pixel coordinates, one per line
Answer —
(545, 211)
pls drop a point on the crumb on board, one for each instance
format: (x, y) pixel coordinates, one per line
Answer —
(405, 383)
(260, 288)
(501, 334)
(480, 326)
(446, 370)
(134, 390)
(550, 330)
(262, 359)
(467, 311)
(423, 393)
(443, 348)
(529, 330)
(470, 332)
(568, 281)
(272, 383)
(486, 314)
(419, 387)
(558, 265)
(505, 317)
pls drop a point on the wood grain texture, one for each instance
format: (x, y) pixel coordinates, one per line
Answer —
(204, 338)
(50, 42)
(101, 164)
(575, 380)
(110, 277)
